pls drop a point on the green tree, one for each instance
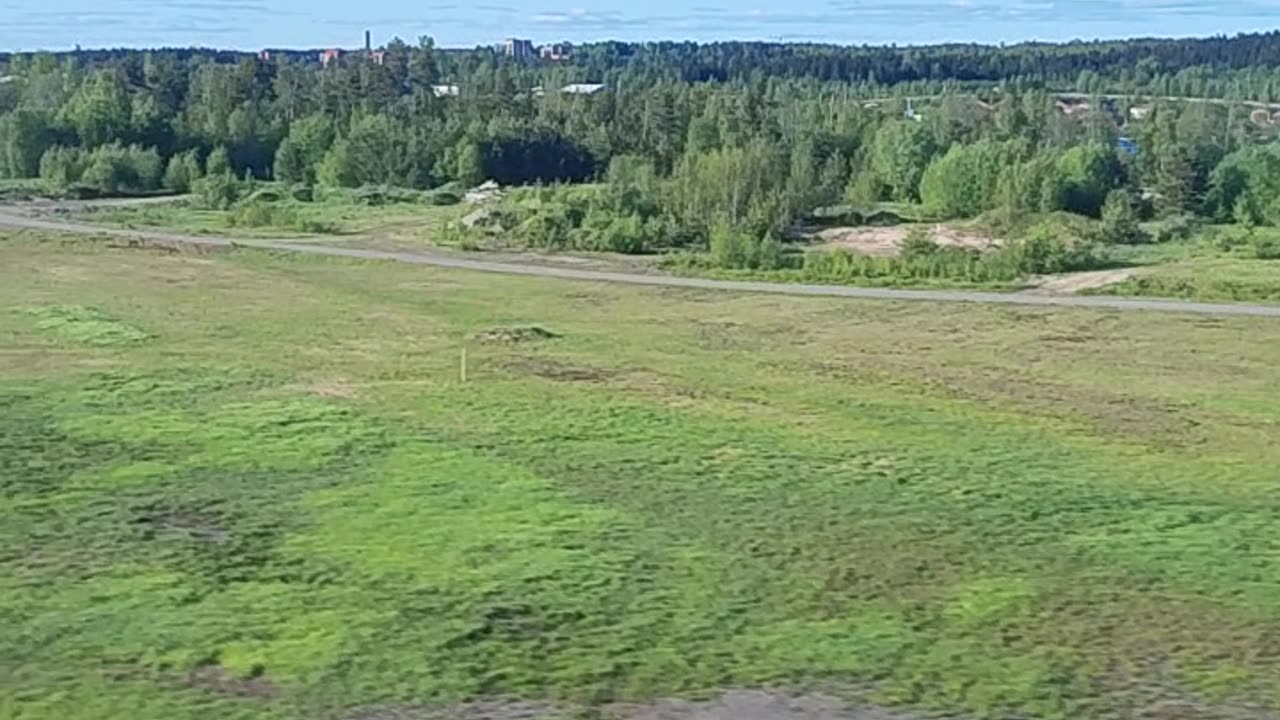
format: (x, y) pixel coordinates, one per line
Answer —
(289, 165)
(100, 111)
(25, 135)
(900, 153)
(218, 162)
(61, 166)
(1120, 219)
(1086, 173)
(117, 168)
(963, 182)
(470, 168)
(182, 171)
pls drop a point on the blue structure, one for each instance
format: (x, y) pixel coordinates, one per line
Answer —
(1127, 145)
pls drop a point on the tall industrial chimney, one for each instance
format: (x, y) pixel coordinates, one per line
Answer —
(368, 41)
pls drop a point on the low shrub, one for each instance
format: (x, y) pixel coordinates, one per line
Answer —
(441, 197)
(378, 195)
(1173, 229)
(1266, 247)
(1038, 254)
(257, 214)
(264, 195)
(83, 191)
(182, 172)
(218, 191)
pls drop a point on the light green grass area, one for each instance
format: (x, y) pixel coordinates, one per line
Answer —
(1229, 279)
(24, 188)
(338, 216)
(76, 323)
(286, 503)
(1217, 263)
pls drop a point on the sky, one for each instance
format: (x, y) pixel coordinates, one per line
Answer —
(252, 24)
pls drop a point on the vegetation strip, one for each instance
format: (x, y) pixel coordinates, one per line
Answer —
(1195, 308)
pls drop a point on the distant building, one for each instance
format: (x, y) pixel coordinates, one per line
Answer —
(378, 57)
(265, 56)
(330, 56)
(911, 114)
(1073, 109)
(557, 52)
(517, 48)
(6, 79)
(444, 90)
(1139, 112)
(582, 89)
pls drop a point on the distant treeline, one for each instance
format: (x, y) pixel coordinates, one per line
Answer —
(721, 147)
(1202, 66)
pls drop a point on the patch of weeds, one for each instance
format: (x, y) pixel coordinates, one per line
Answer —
(85, 325)
(216, 679)
(519, 334)
(560, 371)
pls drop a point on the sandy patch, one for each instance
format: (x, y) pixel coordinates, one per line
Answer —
(886, 241)
(1071, 283)
(339, 389)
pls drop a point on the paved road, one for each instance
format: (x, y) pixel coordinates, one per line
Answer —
(13, 219)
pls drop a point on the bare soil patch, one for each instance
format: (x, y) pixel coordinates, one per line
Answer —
(513, 335)
(337, 389)
(190, 525)
(561, 371)
(215, 678)
(887, 241)
(1071, 283)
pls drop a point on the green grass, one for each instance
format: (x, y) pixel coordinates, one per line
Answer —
(79, 324)
(335, 215)
(25, 188)
(1218, 263)
(1219, 279)
(285, 503)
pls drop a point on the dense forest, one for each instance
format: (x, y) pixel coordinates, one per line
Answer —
(719, 147)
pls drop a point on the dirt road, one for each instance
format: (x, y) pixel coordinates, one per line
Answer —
(12, 218)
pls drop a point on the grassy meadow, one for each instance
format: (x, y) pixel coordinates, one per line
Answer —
(255, 485)
(338, 215)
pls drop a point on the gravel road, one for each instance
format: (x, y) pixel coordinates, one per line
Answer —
(12, 217)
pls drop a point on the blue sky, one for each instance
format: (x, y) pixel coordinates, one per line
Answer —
(251, 24)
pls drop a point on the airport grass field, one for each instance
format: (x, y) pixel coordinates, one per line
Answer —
(256, 485)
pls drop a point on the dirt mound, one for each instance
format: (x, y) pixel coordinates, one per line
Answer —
(887, 241)
(531, 333)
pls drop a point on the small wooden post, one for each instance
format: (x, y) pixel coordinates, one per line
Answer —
(462, 366)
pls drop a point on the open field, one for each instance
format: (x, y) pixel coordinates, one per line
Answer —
(253, 485)
(341, 218)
